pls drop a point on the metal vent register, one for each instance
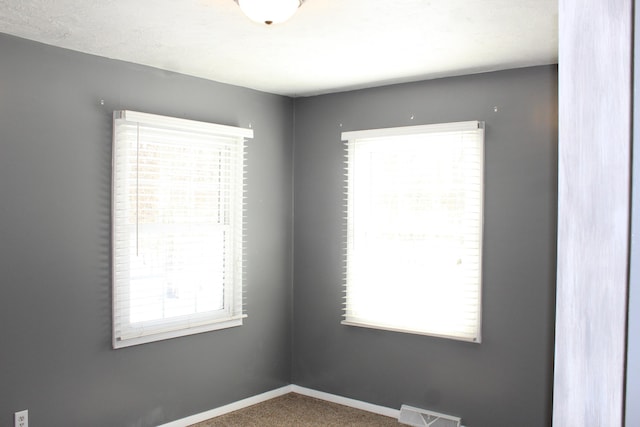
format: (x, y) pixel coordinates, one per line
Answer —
(422, 418)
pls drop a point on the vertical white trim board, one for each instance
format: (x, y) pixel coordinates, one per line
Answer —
(594, 158)
(249, 401)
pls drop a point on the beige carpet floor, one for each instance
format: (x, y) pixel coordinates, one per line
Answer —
(295, 410)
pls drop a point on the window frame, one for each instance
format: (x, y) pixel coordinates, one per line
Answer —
(125, 332)
(353, 318)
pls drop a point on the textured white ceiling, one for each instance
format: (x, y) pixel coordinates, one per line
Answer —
(328, 46)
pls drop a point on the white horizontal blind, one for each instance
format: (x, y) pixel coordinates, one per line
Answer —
(414, 229)
(177, 227)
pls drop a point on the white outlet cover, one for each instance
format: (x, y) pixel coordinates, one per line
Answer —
(21, 419)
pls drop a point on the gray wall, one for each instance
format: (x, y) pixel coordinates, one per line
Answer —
(55, 310)
(506, 380)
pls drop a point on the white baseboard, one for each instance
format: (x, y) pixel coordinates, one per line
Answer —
(240, 404)
(357, 404)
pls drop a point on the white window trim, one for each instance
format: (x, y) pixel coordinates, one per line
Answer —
(350, 137)
(233, 313)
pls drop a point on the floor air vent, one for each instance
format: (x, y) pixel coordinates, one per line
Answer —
(423, 418)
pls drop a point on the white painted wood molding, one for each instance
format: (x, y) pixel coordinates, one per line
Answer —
(244, 403)
(240, 404)
(593, 211)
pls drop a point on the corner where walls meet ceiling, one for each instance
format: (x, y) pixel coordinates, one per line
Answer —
(327, 46)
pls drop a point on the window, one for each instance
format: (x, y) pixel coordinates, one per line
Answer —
(414, 229)
(177, 227)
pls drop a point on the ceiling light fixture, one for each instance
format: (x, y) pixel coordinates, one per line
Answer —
(269, 11)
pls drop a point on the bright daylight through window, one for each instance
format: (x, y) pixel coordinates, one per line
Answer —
(414, 229)
(177, 227)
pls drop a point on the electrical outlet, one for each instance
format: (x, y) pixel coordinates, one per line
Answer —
(21, 418)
